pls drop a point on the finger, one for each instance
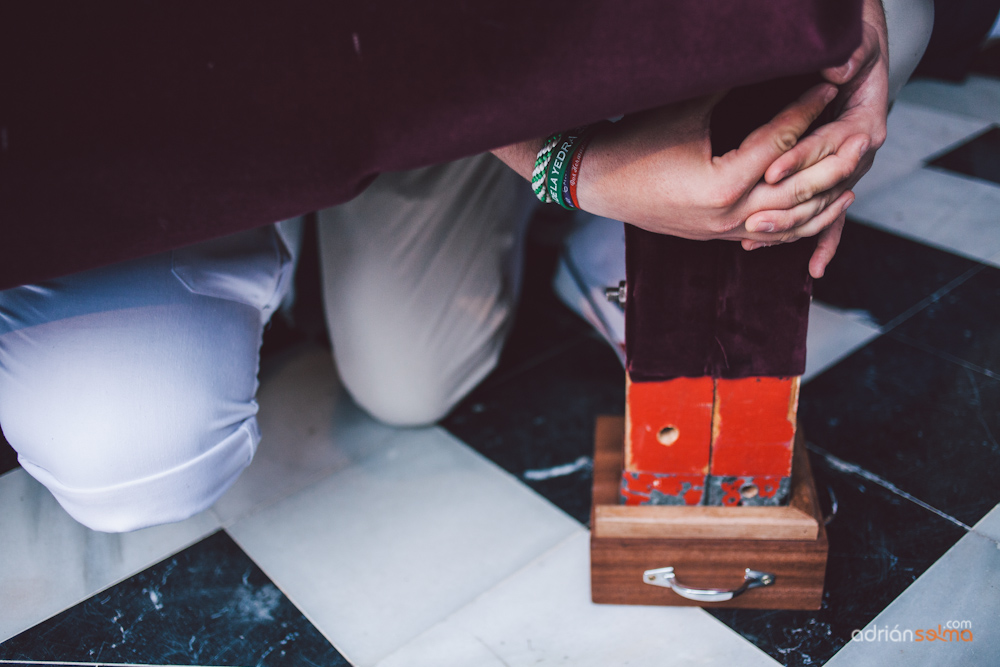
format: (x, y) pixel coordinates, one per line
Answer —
(827, 140)
(826, 218)
(826, 248)
(811, 227)
(765, 144)
(781, 221)
(804, 185)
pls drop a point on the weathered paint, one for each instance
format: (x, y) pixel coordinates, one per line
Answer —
(753, 427)
(747, 490)
(684, 404)
(648, 488)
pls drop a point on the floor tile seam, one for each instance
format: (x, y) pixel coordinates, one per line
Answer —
(944, 356)
(515, 477)
(307, 483)
(142, 568)
(575, 529)
(990, 124)
(476, 597)
(305, 614)
(934, 297)
(842, 466)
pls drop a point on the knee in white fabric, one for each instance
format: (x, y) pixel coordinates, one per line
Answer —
(406, 394)
(117, 480)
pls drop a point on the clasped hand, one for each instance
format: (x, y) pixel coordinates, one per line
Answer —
(656, 170)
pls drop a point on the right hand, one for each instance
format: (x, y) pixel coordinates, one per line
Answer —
(655, 170)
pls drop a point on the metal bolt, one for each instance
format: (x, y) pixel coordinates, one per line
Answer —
(616, 293)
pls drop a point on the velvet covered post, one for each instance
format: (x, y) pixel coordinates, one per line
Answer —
(715, 341)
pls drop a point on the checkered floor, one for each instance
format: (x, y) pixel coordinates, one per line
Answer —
(347, 542)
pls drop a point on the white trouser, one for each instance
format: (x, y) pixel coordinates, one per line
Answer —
(128, 390)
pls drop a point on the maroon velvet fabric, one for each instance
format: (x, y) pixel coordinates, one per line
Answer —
(135, 127)
(710, 308)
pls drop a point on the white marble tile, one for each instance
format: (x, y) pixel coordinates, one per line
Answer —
(49, 562)
(833, 334)
(963, 585)
(939, 208)
(543, 615)
(379, 552)
(310, 428)
(977, 97)
(915, 134)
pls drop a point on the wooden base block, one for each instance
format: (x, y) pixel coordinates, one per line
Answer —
(708, 547)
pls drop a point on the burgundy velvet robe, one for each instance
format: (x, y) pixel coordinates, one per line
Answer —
(128, 128)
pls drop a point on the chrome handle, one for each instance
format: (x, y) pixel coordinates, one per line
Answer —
(666, 578)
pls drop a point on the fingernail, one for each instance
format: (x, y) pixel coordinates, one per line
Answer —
(830, 93)
(783, 175)
(756, 244)
(847, 205)
(865, 146)
(762, 227)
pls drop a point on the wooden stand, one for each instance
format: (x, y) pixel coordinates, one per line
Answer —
(708, 547)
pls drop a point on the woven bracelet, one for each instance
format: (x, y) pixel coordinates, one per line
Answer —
(541, 168)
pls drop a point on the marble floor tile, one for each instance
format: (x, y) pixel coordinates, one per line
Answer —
(978, 157)
(833, 334)
(543, 419)
(206, 605)
(977, 97)
(915, 133)
(886, 275)
(939, 208)
(964, 586)
(962, 324)
(374, 555)
(917, 420)
(49, 562)
(543, 615)
(310, 428)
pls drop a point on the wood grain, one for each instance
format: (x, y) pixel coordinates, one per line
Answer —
(799, 520)
(707, 546)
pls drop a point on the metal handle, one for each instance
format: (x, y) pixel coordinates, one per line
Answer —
(666, 578)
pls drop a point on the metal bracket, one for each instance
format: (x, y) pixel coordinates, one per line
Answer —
(666, 578)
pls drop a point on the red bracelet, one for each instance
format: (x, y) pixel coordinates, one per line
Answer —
(577, 160)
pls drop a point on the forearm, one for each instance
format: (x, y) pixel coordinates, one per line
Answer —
(520, 156)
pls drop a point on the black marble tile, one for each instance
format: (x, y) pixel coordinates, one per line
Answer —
(923, 423)
(207, 605)
(884, 274)
(979, 157)
(879, 544)
(8, 457)
(545, 417)
(964, 323)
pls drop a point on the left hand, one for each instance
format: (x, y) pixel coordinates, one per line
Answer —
(864, 86)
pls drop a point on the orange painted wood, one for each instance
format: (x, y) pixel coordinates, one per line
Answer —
(617, 562)
(753, 426)
(652, 408)
(799, 520)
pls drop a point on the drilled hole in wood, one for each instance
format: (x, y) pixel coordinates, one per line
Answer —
(749, 490)
(668, 435)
